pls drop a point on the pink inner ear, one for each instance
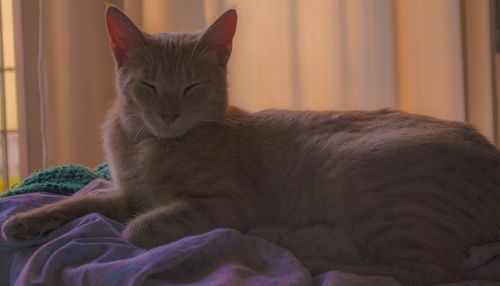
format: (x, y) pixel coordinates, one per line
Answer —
(226, 28)
(122, 32)
(219, 36)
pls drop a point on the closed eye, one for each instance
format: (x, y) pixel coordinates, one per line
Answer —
(150, 86)
(191, 86)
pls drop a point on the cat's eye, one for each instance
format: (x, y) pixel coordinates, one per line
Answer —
(150, 86)
(191, 86)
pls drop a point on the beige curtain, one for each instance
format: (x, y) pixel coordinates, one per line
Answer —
(336, 54)
(430, 67)
(296, 54)
(65, 81)
(322, 54)
(77, 75)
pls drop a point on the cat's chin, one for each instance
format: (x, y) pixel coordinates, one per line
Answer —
(169, 134)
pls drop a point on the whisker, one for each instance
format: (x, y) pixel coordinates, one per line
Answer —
(138, 133)
(230, 123)
(194, 50)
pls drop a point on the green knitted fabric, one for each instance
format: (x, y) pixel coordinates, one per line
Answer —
(62, 180)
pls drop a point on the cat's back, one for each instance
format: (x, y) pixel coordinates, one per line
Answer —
(366, 130)
(349, 153)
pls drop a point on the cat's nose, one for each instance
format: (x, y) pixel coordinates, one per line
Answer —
(169, 117)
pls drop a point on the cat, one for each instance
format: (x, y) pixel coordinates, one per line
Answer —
(410, 192)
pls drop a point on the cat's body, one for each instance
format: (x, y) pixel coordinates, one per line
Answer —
(329, 162)
(410, 193)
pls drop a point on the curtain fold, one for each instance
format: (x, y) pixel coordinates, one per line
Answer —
(339, 54)
(78, 80)
(323, 54)
(430, 65)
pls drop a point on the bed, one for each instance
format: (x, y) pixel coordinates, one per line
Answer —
(90, 250)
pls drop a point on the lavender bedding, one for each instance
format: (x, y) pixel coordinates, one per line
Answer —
(90, 251)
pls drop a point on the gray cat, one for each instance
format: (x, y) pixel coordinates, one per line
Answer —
(410, 193)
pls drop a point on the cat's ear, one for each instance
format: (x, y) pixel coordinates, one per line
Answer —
(123, 33)
(219, 36)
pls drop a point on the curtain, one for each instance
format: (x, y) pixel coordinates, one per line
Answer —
(336, 54)
(294, 54)
(322, 54)
(76, 75)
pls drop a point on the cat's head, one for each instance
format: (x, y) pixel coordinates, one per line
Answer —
(169, 83)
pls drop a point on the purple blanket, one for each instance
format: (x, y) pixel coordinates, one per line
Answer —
(90, 251)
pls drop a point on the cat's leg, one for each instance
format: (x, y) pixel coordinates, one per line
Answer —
(412, 250)
(36, 222)
(405, 248)
(323, 248)
(187, 217)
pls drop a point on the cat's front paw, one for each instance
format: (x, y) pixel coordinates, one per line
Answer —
(32, 224)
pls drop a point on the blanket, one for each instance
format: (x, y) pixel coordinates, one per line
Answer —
(90, 251)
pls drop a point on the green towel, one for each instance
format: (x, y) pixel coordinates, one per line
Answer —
(62, 180)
